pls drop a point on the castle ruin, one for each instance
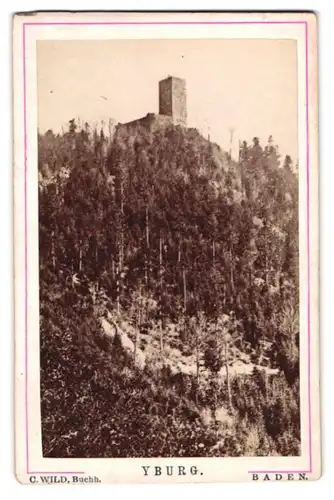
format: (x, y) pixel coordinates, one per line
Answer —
(173, 100)
(172, 107)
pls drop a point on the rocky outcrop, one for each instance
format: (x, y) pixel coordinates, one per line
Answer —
(111, 329)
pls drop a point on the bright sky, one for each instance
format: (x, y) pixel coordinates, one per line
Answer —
(248, 85)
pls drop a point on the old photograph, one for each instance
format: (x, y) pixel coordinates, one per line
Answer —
(166, 261)
(168, 248)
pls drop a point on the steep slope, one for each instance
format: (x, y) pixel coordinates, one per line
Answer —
(196, 259)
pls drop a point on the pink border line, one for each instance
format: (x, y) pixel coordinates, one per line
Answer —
(307, 211)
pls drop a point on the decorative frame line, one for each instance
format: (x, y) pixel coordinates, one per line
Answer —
(24, 26)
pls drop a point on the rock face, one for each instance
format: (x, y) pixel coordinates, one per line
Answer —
(173, 358)
(110, 328)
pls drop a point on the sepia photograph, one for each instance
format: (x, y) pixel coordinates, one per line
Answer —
(171, 244)
(168, 248)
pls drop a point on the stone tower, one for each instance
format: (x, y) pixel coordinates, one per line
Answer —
(173, 99)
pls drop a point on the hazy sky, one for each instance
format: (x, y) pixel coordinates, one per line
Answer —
(249, 85)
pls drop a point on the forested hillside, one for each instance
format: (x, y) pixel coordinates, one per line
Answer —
(159, 248)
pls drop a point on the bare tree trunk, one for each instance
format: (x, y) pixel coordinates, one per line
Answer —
(138, 321)
(197, 367)
(117, 290)
(136, 337)
(161, 285)
(80, 255)
(121, 253)
(145, 271)
(184, 292)
(53, 253)
(231, 271)
(160, 264)
(184, 303)
(120, 249)
(229, 398)
(213, 383)
(121, 246)
(147, 230)
(161, 339)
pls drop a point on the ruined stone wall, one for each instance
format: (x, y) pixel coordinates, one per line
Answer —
(151, 122)
(179, 102)
(165, 97)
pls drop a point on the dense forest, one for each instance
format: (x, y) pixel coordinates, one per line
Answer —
(168, 295)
